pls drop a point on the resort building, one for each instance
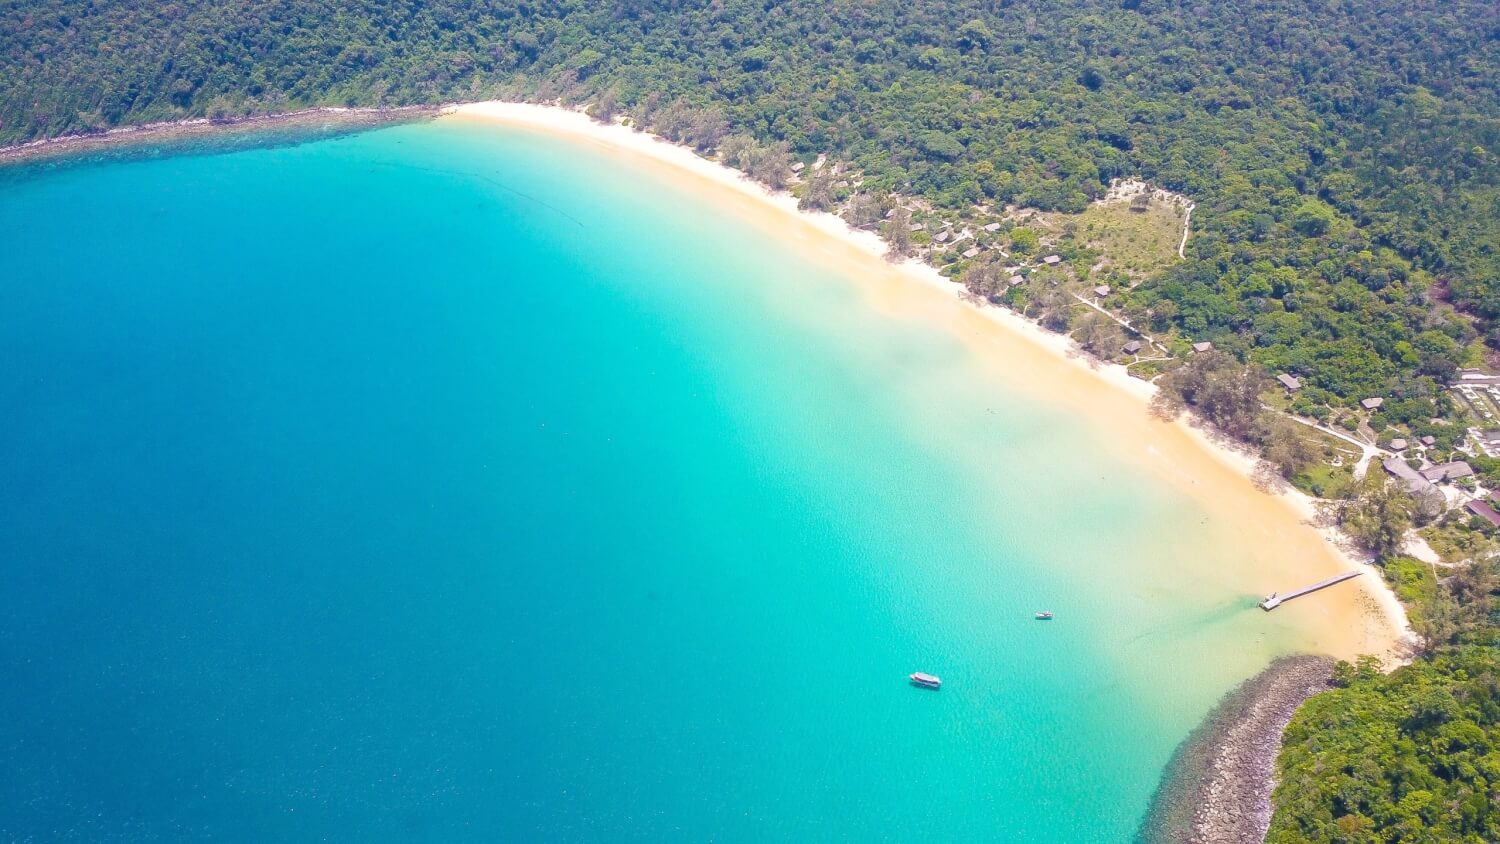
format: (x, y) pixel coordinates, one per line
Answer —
(1052, 260)
(1133, 347)
(1484, 511)
(1411, 478)
(1447, 471)
(1290, 382)
(1205, 346)
(1372, 403)
(1101, 291)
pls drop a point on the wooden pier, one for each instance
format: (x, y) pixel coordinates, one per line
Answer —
(1276, 599)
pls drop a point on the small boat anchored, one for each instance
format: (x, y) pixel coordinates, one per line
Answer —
(926, 681)
(1044, 615)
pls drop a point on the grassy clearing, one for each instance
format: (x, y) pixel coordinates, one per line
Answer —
(1324, 480)
(1137, 243)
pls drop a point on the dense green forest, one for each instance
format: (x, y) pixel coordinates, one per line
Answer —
(1344, 156)
(1413, 756)
(1410, 757)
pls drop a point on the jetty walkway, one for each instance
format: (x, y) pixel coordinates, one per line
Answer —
(1276, 599)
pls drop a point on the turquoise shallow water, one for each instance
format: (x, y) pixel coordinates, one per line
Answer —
(450, 483)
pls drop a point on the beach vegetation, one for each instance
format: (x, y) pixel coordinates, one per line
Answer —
(863, 210)
(1375, 514)
(817, 194)
(1218, 387)
(1099, 335)
(1289, 449)
(897, 234)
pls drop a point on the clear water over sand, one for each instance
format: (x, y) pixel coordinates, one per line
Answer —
(449, 482)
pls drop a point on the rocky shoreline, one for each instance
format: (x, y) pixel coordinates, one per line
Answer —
(1217, 788)
(330, 118)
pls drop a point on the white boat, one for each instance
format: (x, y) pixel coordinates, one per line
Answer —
(926, 681)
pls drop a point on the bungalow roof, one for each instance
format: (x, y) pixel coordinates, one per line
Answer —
(1484, 511)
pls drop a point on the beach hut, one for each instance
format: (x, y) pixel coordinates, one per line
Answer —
(798, 167)
(1052, 260)
(1428, 440)
(1101, 291)
(942, 237)
(1448, 471)
(1484, 511)
(992, 227)
(1398, 444)
(1290, 382)
(1204, 346)
(971, 251)
(1017, 279)
(1372, 403)
(1133, 347)
(916, 227)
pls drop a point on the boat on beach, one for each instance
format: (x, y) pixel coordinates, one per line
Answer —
(926, 681)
